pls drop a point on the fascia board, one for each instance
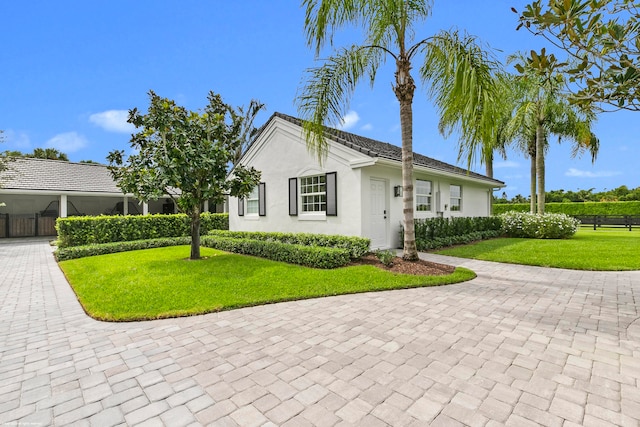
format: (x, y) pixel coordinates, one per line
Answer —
(440, 173)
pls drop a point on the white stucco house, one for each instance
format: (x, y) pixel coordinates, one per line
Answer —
(357, 191)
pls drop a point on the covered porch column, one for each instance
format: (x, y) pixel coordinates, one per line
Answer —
(63, 206)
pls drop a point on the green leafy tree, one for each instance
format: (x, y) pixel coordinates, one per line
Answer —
(39, 153)
(601, 40)
(389, 32)
(48, 153)
(184, 154)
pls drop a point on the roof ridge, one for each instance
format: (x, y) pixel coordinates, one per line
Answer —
(376, 148)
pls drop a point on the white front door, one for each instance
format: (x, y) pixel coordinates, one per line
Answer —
(378, 214)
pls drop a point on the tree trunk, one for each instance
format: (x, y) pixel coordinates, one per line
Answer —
(532, 185)
(540, 165)
(532, 177)
(404, 89)
(195, 232)
(489, 165)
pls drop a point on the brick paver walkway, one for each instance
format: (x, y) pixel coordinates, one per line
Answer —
(517, 346)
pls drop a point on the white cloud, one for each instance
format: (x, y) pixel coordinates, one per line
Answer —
(588, 174)
(113, 121)
(506, 164)
(16, 140)
(349, 120)
(368, 126)
(68, 142)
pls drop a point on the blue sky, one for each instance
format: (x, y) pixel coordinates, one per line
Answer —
(71, 69)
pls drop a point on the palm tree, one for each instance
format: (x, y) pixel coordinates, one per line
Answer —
(543, 110)
(479, 120)
(248, 129)
(388, 27)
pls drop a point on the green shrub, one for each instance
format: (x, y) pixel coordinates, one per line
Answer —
(546, 226)
(308, 256)
(63, 254)
(357, 246)
(385, 257)
(433, 233)
(85, 230)
(576, 208)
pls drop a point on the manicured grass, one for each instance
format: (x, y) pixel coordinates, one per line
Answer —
(159, 283)
(602, 249)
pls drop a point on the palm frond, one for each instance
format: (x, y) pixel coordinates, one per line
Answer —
(323, 100)
(462, 81)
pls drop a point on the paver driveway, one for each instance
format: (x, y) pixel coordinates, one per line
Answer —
(517, 346)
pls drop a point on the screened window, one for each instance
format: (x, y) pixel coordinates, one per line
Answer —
(253, 202)
(455, 194)
(423, 195)
(313, 192)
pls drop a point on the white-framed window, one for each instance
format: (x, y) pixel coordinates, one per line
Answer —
(313, 193)
(455, 198)
(423, 195)
(253, 202)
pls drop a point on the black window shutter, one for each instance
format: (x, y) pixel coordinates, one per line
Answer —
(293, 196)
(262, 202)
(240, 206)
(332, 193)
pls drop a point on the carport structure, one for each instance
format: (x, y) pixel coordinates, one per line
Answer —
(37, 191)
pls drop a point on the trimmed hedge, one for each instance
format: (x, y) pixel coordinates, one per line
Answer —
(86, 230)
(433, 233)
(308, 256)
(576, 208)
(63, 254)
(356, 246)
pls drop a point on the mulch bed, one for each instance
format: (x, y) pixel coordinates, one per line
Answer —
(419, 268)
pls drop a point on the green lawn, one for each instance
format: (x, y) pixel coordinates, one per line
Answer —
(603, 249)
(159, 283)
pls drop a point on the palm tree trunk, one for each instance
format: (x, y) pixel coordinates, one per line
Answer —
(489, 165)
(532, 177)
(540, 165)
(488, 161)
(404, 89)
(532, 184)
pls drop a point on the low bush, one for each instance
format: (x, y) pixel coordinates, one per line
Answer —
(86, 230)
(385, 257)
(356, 246)
(545, 226)
(463, 239)
(63, 254)
(434, 233)
(308, 256)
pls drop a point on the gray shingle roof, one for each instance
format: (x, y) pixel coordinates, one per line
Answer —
(374, 148)
(57, 175)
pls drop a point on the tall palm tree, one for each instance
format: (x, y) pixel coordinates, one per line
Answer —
(543, 110)
(388, 27)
